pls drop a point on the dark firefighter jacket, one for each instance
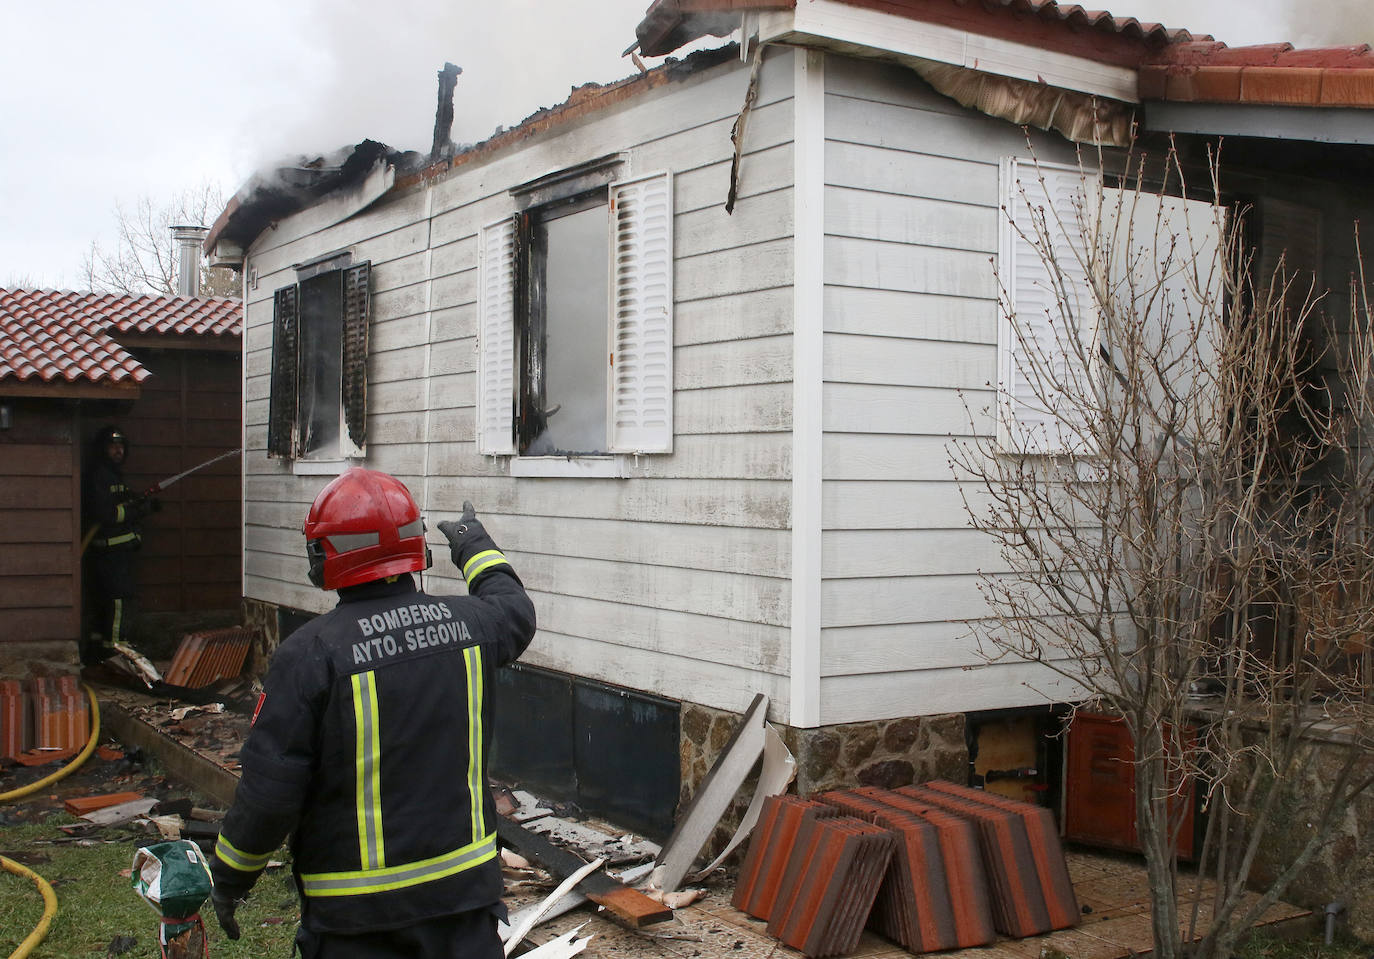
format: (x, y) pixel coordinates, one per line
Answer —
(370, 747)
(116, 508)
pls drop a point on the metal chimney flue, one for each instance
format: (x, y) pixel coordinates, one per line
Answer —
(188, 240)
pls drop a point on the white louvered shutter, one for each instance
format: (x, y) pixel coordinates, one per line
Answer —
(641, 347)
(496, 339)
(1040, 352)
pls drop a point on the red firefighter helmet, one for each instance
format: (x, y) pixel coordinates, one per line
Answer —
(363, 526)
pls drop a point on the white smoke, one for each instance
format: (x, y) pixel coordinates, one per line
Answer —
(370, 72)
(1330, 23)
(1237, 23)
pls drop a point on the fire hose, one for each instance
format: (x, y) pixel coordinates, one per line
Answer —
(161, 485)
(9, 865)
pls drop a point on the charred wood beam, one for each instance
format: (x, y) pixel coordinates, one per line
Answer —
(627, 906)
(443, 113)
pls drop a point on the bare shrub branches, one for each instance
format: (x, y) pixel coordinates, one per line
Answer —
(1180, 485)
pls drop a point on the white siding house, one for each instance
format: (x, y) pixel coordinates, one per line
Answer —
(797, 531)
(749, 489)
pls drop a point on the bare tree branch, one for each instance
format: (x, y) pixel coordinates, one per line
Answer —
(144, 257)
(1186, 536)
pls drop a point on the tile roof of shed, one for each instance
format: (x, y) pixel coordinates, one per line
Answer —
(49, 336)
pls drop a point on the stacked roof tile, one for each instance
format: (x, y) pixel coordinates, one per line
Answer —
(1020, 903)
(962, 866)
(813, 874)
(48, 336)
(208, 656)
(935, 894)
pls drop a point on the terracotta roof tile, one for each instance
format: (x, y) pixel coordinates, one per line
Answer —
(49, 336)
(1271, 74)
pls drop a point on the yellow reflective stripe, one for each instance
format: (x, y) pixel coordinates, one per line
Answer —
(363, 881)
(119, 513)
(367, 771)
(237, 858)
(476, 781)
(121, 538)
(117, 622)
(482, 562)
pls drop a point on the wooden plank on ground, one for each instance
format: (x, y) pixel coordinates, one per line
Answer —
(630, 906)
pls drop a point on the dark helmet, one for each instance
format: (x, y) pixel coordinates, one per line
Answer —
(363, 526)
(106, 436)
(111, 434)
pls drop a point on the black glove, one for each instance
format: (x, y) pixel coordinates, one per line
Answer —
(465, 536)
(141, 506)
(224, 911)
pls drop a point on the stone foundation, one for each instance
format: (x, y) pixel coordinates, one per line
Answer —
(262, 619)
(887, 754)
(20, 660)
(1343, 870)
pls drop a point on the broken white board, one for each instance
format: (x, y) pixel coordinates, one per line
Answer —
(779, 769)
(521, 930)
(712, 798)
(563, 947)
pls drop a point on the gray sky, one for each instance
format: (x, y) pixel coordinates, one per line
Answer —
(103, 103)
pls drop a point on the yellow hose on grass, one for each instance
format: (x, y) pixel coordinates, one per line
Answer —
(40, 931)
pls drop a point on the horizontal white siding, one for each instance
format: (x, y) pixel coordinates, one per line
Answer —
(674, 581)
(911, 224)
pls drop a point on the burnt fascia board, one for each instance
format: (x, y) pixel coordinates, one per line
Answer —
(369, 167)
(225, 252)
(672, 24)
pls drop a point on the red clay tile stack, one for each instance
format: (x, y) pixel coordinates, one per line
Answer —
(1046, 849)
(770, 844)
(61, 720)
(828, 887)
(1018, 899)
(935, 895)
(209, 656)
(15, 719)
(958, 866)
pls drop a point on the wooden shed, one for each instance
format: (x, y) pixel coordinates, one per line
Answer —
(166, 370)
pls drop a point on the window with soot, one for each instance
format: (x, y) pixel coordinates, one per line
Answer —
(319, 363)
(575, 325)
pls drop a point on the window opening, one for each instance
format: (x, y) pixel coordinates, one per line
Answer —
(321, 362)
(319, 365)
(564, 335)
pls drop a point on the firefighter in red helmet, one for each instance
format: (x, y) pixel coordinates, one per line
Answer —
(369, 747)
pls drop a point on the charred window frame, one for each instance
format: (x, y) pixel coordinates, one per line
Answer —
(318, 404)
(561, 302)
(575, 322)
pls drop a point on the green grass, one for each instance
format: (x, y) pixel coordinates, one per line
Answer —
(1264, 945)
(95, 903)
